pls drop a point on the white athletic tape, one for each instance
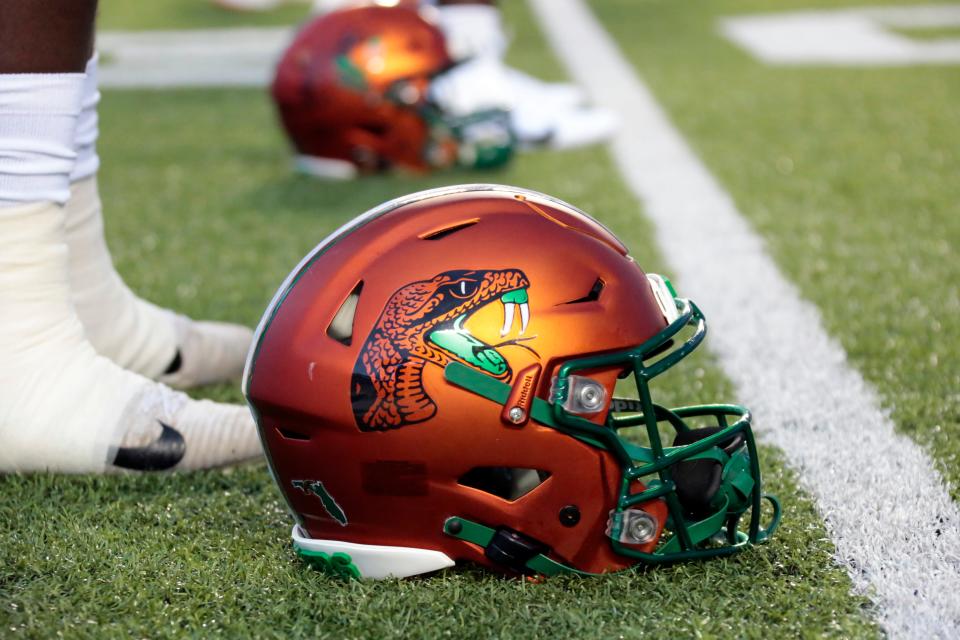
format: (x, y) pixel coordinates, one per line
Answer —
(893, 523)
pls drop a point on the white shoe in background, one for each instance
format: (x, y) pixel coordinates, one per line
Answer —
(528, 88)
(563, 128)
(542, 114)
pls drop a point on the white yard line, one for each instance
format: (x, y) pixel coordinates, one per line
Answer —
(892, 520)
(193, 58)
(859, 37)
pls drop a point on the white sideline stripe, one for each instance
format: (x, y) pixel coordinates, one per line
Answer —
(849, 37)
(193, 58)
(877, 491)
(916, 16)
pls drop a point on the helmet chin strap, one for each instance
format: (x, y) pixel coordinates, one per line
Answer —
(487, 538)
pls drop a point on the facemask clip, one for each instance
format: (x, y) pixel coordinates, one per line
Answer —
(585, 396)
(632, 526)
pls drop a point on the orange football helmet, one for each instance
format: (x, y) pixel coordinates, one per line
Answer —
(436, 382)
(353, 94)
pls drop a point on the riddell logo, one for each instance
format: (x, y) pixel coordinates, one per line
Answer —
(525, 385)
(516, 411)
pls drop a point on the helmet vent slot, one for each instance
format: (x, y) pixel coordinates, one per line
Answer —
(447, 231)
(341, 327)
(292, 435)
(593, 295)
(509, 483)
(377, 129)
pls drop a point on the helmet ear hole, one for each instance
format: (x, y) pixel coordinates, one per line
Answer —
(509, 483)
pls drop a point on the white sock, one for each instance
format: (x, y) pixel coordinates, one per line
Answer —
(39, 113)
(134, 333)
(63, 407)
(88, 121)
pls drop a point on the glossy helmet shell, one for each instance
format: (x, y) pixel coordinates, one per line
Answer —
(353, 83)
(367, 411)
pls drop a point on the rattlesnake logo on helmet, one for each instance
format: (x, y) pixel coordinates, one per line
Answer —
(423, 322)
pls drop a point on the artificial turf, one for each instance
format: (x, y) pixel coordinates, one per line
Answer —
(851, 177)
(123, 15)
(203, 215)
(929, 33)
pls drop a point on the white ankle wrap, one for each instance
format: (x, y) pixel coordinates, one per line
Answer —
(132, 332)
(64, 408)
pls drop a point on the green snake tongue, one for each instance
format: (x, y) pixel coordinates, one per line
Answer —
(518, 296)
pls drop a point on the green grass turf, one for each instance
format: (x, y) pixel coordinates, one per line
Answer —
(191, 14)
(924, 33)
(850, 175)
(203, 215)
(206, 218)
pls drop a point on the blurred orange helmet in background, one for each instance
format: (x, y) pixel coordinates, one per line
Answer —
(353, 94)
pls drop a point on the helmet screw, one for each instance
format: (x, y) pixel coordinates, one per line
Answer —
(455, 527)
(591, 396)
(516, 415)
(569, 515)
(641, 527)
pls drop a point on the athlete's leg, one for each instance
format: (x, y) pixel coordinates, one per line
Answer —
(63, 407)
